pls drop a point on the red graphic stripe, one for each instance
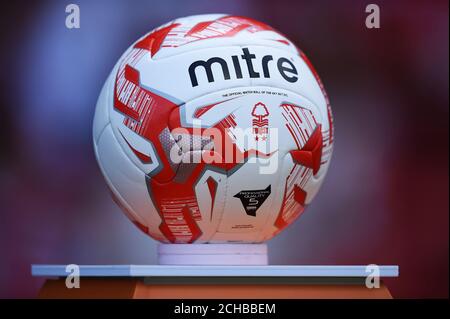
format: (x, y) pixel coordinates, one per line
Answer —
(153, 41)
(311, 153)
(131, 74)
(212, 187)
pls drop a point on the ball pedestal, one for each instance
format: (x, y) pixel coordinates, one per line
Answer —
(212, 254)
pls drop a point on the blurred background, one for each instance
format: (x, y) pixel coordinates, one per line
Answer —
(385, 199)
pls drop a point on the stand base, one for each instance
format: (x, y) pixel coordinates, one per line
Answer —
(135, 288)
(212, 254)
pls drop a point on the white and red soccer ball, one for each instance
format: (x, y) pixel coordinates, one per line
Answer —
(213, 128)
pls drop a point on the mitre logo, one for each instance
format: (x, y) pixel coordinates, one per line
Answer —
(260, 121)
(284, 66)
(252, 200)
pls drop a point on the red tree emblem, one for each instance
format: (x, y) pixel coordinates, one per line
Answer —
(260, 121)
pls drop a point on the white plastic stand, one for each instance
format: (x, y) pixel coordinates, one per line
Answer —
(212, 254)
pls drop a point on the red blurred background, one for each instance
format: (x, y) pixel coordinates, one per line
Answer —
(385, 199)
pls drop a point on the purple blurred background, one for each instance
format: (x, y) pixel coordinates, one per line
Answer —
(385, 199)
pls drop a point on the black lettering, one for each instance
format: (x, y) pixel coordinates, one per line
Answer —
(284, 69)
(207, 65)
(247, 56)
(265, 62)
(237, 67)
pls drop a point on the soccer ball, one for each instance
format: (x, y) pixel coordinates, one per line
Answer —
(213, 129)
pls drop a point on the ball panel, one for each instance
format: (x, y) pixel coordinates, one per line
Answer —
(139, 150)
(127, 183)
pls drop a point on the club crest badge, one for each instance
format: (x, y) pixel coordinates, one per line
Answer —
(260, 121)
